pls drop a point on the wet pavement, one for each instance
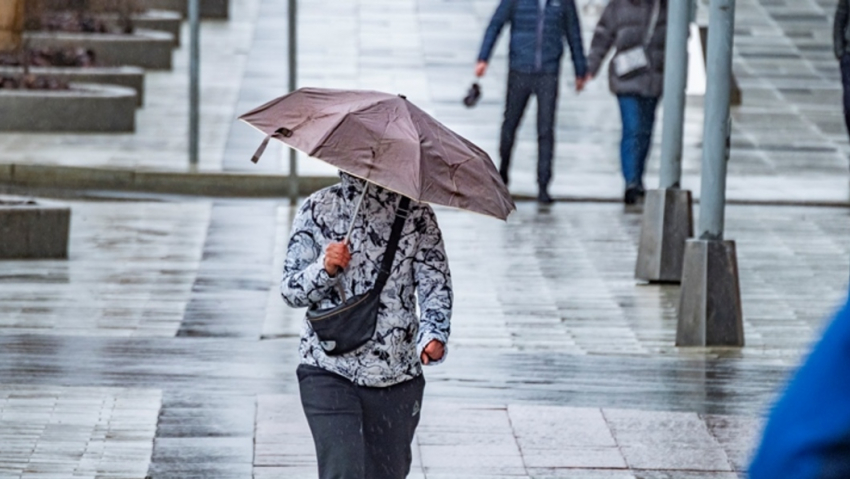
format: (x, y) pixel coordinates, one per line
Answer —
(789, 142)
(558, 357)
(162, 346)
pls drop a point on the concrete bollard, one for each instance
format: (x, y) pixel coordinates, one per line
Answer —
(711, 314)
(31, 231)
(710, 305)
(667, 224)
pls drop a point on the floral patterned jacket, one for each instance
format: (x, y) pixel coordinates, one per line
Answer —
(420, 269)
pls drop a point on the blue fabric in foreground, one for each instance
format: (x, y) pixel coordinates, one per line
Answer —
(808, 431)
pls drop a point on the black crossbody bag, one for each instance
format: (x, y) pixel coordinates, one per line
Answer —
(346, 327)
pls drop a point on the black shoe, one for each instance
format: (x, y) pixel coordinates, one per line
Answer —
(632, 195)
(504, 175)
(543, 198)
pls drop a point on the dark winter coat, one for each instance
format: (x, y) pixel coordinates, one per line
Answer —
(840, 32)
(537, 42)
(624, 25)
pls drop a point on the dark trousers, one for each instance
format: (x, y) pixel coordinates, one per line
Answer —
(520, 88)
(845, 81)
(360, 432)
(638, 115)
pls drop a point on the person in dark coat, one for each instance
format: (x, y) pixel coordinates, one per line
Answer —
(538, 30)
(841, 43)
(808, 432)
(624, 25)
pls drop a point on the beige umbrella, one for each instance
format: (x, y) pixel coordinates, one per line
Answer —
(388, 141)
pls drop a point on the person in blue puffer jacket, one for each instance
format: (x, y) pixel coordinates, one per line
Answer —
(538, 30)
(808, 432)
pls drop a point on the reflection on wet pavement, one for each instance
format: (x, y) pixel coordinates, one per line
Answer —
(549, 321)
(52, 431)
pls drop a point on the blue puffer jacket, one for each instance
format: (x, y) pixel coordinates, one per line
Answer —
(808, 432)
(537, 43)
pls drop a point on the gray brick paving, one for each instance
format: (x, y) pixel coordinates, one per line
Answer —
(130, 273)
(547, 316)
(528, 441)
(426, 49)
(80, 432)
(142, 352)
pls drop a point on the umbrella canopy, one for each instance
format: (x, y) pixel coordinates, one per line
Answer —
(387, 140)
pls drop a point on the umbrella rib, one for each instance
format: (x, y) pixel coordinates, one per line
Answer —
(327, 135)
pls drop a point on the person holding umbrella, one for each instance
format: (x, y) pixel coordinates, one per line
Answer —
(360, 255)
(376, 389)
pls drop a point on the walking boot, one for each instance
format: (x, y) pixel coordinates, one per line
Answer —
(633, 194)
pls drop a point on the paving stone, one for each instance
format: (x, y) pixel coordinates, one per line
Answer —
(556, 353)
(61, 442)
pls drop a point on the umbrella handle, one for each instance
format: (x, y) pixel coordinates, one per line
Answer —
(347, 239)
(356, 210)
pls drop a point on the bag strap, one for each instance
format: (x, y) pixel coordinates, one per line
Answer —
(401, 214)
(653, 22)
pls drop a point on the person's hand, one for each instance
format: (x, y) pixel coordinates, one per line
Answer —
(480, 68)
(337, 257)
(433, 352)
(582, 82)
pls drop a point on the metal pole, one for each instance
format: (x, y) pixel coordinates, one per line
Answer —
(667, 220)
(194, 80)
(675, 83)
(710, 312)
(293, 84)
(717, 122)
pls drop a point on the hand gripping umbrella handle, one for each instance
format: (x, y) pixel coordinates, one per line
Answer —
(348, 235)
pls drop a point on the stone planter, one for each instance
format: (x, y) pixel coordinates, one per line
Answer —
(130, 77)
(144, 48)
(160, 20)
(157, 20)
(33, 231)
(83, 108)
(209, 8)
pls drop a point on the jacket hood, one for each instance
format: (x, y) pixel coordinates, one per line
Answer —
(352, 187)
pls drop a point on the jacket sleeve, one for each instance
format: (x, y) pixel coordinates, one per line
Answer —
(572, 30)
(305, 280)
(500, 17)
(839, 37)
(603, 39)
(808, 429)
(433, 283)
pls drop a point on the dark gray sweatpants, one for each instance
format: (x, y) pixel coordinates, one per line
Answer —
(360, 432)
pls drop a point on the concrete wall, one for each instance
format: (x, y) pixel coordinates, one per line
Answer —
(33, 231)
(84, 108)
(160, 20)
(130, 77)
(209, 8)
(145, 48)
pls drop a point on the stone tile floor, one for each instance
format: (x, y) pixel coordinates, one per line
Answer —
(54, 431)
(464, 441)
(549, 323)
(161, 306)
(425, 49)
